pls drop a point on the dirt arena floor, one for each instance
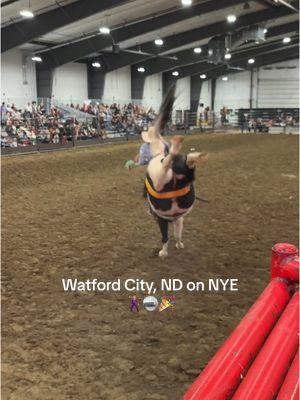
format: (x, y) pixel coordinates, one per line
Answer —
(80, 214)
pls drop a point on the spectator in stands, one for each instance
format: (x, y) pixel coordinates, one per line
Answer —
(34, 107)
(3, 113)
(3, 108)
(28, 110)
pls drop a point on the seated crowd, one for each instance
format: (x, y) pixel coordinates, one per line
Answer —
(117, 117)
(34, 124)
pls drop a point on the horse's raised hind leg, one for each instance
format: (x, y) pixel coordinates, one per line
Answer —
(164, 227)
(178, 228)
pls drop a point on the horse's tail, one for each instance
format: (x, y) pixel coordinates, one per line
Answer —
(165, 110)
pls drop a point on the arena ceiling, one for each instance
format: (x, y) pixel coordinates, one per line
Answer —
(66, 31)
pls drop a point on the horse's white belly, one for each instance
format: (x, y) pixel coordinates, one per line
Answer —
(172, 212)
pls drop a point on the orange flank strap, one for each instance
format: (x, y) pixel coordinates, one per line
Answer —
(166, 195)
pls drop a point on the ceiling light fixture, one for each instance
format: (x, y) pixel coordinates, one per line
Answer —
(197, 50)
(175, 73)
(105, 30)
(227, 56)
(186, 3)
(26, 14)
(251, 61)
(141, 69)
(225, 78)
(265, 30)
(96, 64)
(203, 76)
(158, 42)
(231, 18)
(286, 40)
(36, 59)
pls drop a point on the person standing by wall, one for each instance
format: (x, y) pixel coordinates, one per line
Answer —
(243, 123)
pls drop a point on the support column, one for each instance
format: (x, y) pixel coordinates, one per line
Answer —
(96, 80)
(213, 94)
(168, 81)
(251, 89)
(137, 84)
(44, 81)
(196, 84)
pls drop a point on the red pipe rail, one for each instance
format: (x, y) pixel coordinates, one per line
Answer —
(221, 379)
(225, 371)
(290, 387)
(285, 262)
(268, 370)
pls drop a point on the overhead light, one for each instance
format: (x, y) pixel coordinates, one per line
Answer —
(141, 69)
(96, 64)
(227, 56)
(186, 2)
(203, 76)
(231, 18)
(158, 42)
(26, 14)
(265, 30)
(36, 59)
(251, 61)
(197, 50)
(175, 73)
(105, 30)
(287, 40)
(225, 78)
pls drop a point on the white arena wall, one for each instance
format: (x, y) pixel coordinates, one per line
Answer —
(275, 85)
(18, 78)
(70, 84)
(153, 90)
(117, 87)
(234, 93)
(272, 86)
(183, 94)
(278, 83)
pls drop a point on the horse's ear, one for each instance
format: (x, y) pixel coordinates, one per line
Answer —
(193, 158)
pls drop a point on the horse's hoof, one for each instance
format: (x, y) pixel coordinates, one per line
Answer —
(179, 245)
(163, 253)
